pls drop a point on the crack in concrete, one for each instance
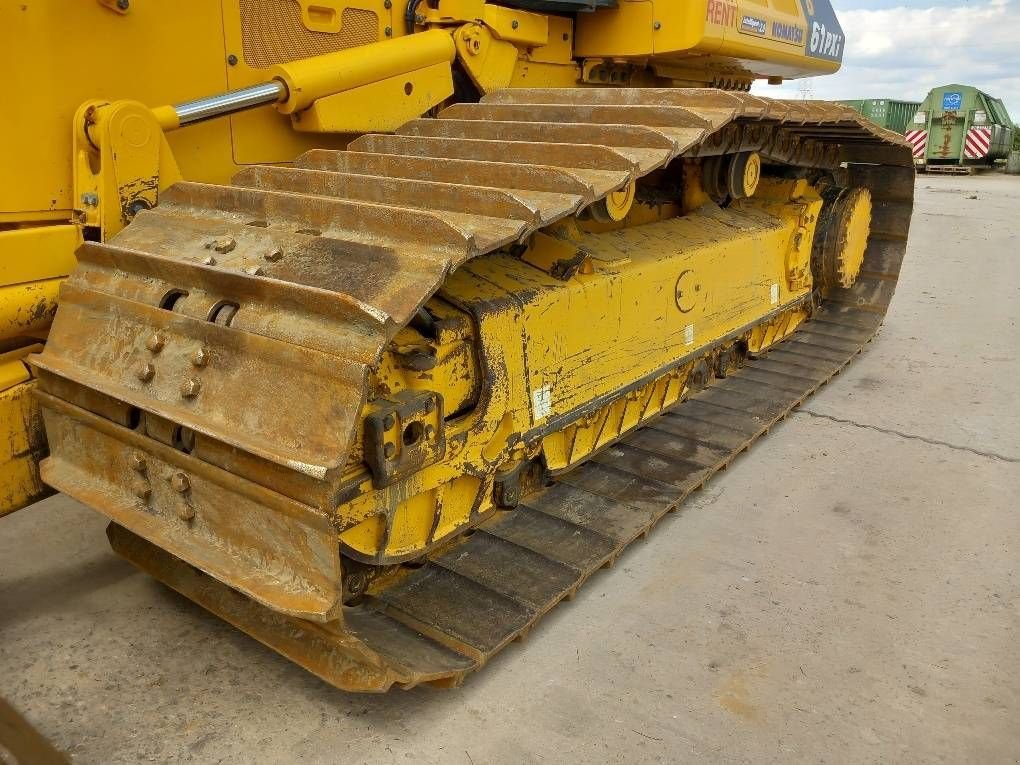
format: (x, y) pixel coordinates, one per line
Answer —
(909, 436)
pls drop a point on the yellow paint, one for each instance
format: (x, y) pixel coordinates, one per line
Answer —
(133, 62)
(557, 255)
(527, 30)
(452, 11)
(408, 95)
(489, 62)
(624, 321)
(800, 204)
(412, 521)
(559, 45)
(537, 74)
(33, 261)
(37, 252)
(322, 15)
(26, 310)
(158, 54)
(857, 240)
(13, 372)
(648, 300)
(841, 250)
(313, 78)
(22, 446)
(122, 160)
(454, 370)
(698, 37)
(616, 205)
(23, 441)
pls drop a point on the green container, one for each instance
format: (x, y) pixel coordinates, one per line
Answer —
(885, 112)
(960, 125)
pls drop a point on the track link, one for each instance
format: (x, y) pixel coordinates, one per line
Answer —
(376, 229)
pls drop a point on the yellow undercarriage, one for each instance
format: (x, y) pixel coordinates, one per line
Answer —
(649, 311)
(281, 389)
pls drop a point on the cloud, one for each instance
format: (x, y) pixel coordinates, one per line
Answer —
(902, 52)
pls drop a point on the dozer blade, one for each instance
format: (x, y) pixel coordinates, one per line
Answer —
(250, 412)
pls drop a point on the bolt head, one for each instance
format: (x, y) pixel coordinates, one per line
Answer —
(232, 59)
(146, 372)
(389, 450)
(138, 206)
(200, 358)
(254, 271)
(356, 583)
(186, 511)
(90, 199)
(388, 422)
(191, 388)
(209, 260)
(180, 482)
(274, 255)
(123, 4)
(388, 31)
(514, 24)
(137, 462)
(155, 342)
(657, 25)
(144, 493)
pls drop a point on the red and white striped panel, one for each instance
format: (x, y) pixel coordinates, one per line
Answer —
(977, 143)
(918, 140)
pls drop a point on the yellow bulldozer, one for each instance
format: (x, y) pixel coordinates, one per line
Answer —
(385, 325)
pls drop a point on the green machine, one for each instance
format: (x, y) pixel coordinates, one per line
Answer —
(958, 129)
(885, 112)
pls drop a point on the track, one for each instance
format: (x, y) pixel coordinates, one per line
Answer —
(457, 187)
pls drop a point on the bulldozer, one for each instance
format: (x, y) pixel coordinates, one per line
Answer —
(376, 329)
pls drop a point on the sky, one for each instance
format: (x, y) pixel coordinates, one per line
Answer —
(901, 49)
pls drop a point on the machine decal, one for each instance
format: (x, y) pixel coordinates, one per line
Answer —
(541, 402)
(753, 25)
(825, 35)
(721, 12)
(952, 101)
(788, 33)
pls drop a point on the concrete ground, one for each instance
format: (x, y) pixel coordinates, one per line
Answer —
(847, 592)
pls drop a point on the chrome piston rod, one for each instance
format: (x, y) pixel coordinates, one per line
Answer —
(201, 109)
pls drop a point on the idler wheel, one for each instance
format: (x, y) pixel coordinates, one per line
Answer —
(614, 206)
(742, 174)
(841, 237)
